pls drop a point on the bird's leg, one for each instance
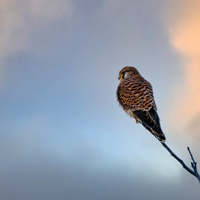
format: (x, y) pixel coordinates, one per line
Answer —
(135, 119)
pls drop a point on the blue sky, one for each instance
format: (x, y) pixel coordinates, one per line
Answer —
(64, 136)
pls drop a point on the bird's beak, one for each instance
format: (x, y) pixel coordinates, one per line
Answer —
(119, 77)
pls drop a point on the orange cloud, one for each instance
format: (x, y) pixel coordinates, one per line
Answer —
(184, 31)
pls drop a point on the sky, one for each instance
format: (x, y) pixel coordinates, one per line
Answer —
(63, 133)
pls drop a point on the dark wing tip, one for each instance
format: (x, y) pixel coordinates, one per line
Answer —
(150, 120)
(162, 138)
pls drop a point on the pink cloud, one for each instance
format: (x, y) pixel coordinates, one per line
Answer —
(184, 31)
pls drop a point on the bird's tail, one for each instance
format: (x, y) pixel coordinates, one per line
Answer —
(157, 133)
(150, 120)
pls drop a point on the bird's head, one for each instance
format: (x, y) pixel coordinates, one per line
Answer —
(127, 72)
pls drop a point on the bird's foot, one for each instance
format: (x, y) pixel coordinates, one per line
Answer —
(135, 119)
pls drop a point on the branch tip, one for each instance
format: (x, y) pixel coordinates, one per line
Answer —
(193, 163)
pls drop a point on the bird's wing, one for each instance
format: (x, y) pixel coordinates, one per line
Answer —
(148, 117)
(150, 120)
(136, 95)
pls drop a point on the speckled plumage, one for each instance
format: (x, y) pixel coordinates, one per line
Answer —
(135, 95)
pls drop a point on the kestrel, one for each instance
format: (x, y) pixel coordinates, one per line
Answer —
(135, 95)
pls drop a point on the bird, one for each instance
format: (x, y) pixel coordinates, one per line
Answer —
(135, 96)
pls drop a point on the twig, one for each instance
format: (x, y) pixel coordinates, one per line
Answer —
(193, 163)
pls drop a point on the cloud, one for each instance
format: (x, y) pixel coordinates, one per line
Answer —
(44, 178)
(111, 6)
(19, 18)
(184, 30)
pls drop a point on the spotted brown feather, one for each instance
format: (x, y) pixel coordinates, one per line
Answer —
(135, 93)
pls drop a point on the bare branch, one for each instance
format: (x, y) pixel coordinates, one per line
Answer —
(193, 163)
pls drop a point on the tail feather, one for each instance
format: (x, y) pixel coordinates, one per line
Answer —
(159, 135)
(150, 120)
